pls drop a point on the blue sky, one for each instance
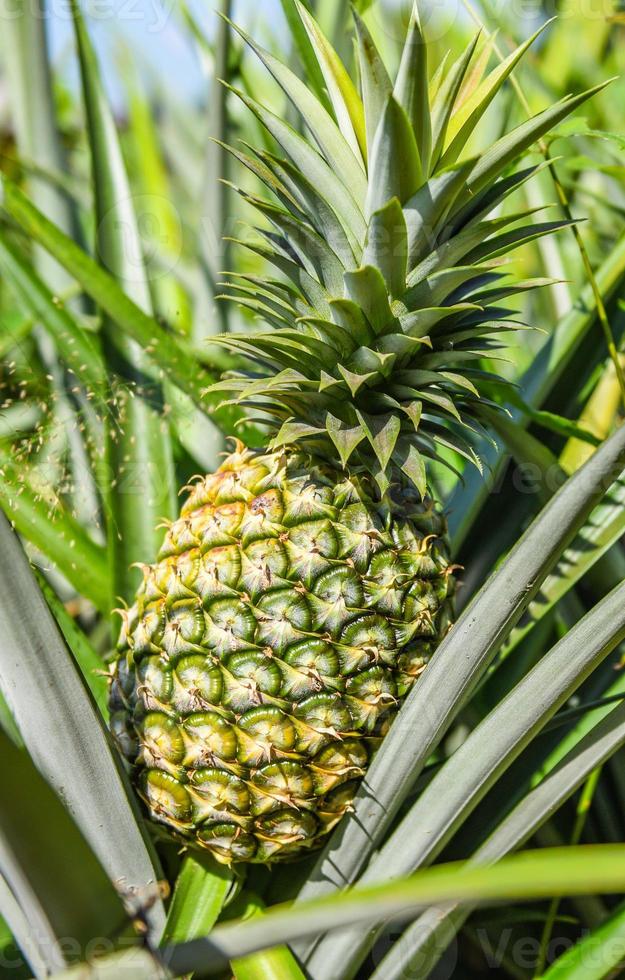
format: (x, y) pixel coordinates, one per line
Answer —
(152, 29)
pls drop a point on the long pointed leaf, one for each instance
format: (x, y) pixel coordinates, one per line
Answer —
(424, 941)
(570, 871)
(52, 872)
(64, 733)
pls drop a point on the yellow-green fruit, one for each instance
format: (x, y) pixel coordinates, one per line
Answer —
(269, 649)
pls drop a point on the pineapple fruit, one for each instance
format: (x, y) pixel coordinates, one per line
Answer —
(306, 584)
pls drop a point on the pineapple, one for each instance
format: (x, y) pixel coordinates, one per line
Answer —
(307, 583)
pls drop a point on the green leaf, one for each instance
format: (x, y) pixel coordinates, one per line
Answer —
(382, 432)
(367, 289)
(425, 210)
(395, 168)
(51, 871)
(91, 665)
(345, 438)
(424, 941)
(375, 82)
(445, 100)
(7, 722)
(412, 90)
(342, 156)
(507, 149)
(604, 528)
(102, 288)
(413, 465)
(16, 930)
(386, 247)
(58, 535)
(348, 108)
(597, 954)
(32, 104)
(272, 964)
(216, 197)
(466, 117)
(548, 369)
(347, 205)
(201, 889)
(531, 875)
(138, 963)
(65, 735)
(305, 51)
(201, 439)
(167, 354)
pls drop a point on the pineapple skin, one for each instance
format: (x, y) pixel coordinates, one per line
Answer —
(269, 648)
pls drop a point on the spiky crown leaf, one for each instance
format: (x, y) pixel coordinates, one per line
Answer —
(392, 288)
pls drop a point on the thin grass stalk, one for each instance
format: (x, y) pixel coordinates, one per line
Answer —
(215, 249)
(202, 440)
(566, 208)
(581, 814)
(142, 490)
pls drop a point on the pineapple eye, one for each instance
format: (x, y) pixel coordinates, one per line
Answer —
(369, 632)
(220, 525)
(288, 827)
(343, 757)
(166, 797)
(286, 781)
(156, 678)
(227, 842)
(316, 536)
(284, 614)
(316, 655)
(326, 713)
(270, 726)
(183, 628)
(371, 695)
(256, 667)
(264, 565)
(338, 799)
(309, 503)
(218, 572)
(262, 518)
(210, 734)
(124, 734)
(199, 679)
(147, 632)
(374, 685)
(340, 584)
(230, 625)
(221, 790)
(162, 737)
(387, 568)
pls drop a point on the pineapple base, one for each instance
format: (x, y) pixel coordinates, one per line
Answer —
(270, 647)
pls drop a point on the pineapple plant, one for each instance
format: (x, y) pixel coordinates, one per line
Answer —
(303, 599)
(306, 583)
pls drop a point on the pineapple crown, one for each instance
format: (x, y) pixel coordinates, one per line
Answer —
(391, 288)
